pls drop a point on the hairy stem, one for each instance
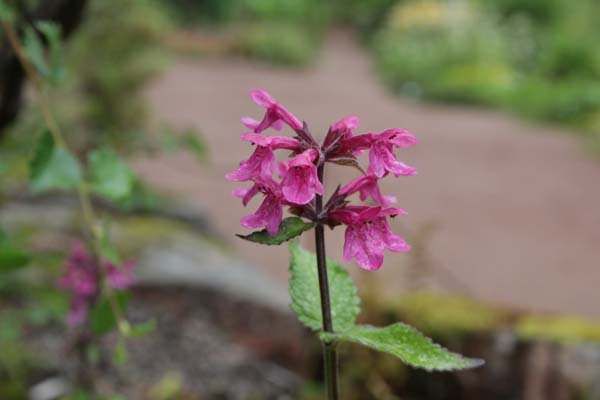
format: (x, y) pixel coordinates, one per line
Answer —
(329, 351)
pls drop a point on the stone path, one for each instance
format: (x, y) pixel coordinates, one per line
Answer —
(513, 209)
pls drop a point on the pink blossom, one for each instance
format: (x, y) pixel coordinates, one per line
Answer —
(120, 277)
(274, 115)
(272, 142)
(300, 182)
(270, 212)
(259, 165)
(82, 278)
(368, 186)
(381, 156)
(368, 234)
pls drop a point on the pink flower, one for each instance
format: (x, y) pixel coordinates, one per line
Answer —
(368, 234)
(341, 130)
(120, 277)
(272, 142)
(270, 212)
(300, 181)
(80, 276)
(82, 279)
(381, 156)
(274, 115)
(259, 165)
(368, 186)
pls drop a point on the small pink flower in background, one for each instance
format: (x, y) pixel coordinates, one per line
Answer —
(82, 278)
(368, 234)
(300, 181)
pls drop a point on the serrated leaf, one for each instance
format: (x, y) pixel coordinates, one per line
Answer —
(111, 177)
(142, 329)
(406, 343)
(53, 167)
(102, 318)
(306, 297)
(290, 228)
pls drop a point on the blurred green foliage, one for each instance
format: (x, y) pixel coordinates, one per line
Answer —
(537, 58)
(105, 66)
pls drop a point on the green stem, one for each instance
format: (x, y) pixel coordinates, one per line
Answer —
(84, 198)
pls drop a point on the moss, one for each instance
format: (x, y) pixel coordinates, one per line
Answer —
(446, 314)
(562, 329)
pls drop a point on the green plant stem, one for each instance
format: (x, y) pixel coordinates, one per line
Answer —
(330, 358)
(84, 198)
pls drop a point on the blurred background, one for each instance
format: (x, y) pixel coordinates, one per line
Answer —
(504, 96)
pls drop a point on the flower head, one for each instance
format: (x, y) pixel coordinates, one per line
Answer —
(368, 235)
(275, 113)
(270, 212)
(300, 181)
(368, 186)
(381, 156)
(82, 278)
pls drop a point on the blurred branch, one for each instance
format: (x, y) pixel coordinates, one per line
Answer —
(68, 14)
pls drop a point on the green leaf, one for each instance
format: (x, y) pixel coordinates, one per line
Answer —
(306, 298)
(52, 33)
(111, 177)
(7, 12)
(53, 167)
(102, 318)
(12, 258)
(34, 48)
(406, 343)
(142, 329)
(190, 141)
(289, 229)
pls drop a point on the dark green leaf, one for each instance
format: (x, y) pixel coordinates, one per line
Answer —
(111, 177)
(53, 167)
(306, 298)
(289, 229)
(142, 329)
(406, 343)
(11, 258)
(102, 317)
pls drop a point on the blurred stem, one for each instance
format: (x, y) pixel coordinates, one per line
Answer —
(330, 358)
(85, 202)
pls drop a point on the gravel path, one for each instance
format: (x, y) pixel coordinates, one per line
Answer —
(512, 209)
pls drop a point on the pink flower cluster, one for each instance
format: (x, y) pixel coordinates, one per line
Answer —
(82, 278)
(297, 184)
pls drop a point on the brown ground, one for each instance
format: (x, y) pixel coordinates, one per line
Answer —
(515, 206)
